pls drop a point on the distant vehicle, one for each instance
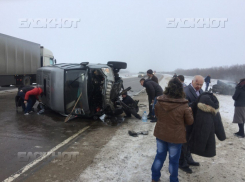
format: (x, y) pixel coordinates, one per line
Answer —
(224, 87)
(20, 59)
(142, 74)
(94, 87)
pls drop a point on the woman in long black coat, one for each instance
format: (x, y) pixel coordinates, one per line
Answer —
(207, 123)
(239, 115)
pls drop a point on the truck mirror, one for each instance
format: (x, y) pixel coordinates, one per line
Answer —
(55, 61)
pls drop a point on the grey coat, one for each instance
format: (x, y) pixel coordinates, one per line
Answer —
(191, 96)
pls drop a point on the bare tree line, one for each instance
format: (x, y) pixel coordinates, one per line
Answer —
(232, 73)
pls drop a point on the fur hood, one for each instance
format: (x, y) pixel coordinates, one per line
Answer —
(207, 108)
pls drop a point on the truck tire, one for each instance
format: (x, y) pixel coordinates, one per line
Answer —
(117, 65)
(26, 80)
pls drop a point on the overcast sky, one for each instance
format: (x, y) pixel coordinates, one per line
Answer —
(134, 31)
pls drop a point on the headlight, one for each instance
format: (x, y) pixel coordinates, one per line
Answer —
(108, 73)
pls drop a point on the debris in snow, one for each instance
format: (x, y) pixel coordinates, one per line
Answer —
(135, 134)
(39, 147)
(112, 120)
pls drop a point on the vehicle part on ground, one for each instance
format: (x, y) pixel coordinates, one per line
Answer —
(112, 120)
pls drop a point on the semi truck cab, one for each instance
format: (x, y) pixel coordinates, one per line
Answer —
(47, 57)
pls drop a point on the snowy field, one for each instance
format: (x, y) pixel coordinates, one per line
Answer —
(126, 158)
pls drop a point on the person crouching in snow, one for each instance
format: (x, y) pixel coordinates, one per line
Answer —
(207, 123)
(130, 106)
(30, 101)
(173, 113)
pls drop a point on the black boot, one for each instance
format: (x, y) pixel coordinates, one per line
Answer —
(241, 130)
(138, 116)
(191, 161)
(186, 169)
(183, 165)
(238, 130)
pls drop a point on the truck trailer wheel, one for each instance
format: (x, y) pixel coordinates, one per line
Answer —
(26, 80)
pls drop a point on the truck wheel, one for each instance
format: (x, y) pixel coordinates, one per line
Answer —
(26, 80)
(117, 64)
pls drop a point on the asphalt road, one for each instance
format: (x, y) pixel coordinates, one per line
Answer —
(35, 133)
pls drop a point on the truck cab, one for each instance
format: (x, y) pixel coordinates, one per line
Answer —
(47, 57)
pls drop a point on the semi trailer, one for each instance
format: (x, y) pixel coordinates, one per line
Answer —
(20, 59)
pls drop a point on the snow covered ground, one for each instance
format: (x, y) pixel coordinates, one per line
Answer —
(126, 158)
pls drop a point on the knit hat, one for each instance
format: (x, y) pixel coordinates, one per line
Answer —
(125, 93)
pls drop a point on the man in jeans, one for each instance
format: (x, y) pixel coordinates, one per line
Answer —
(207, 81)
(31, 97)
(21, 93)
(153, 91)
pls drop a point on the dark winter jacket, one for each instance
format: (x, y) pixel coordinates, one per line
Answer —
(172, 116)
(128, 100)
(190, 93)
(153, 89)
(207, 79)
(24, 90)
(35, 92)
(154, 78)
(207, 123)
(239, 96)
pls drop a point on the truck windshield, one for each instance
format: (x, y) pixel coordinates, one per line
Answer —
(51, 61)
(73, 86)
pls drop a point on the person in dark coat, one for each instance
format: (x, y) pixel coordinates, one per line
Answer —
(207, 124)
(182, 79)
(153, 91)
(192, 91)
(239, 114)
(152, 76)
(130, 106)
(207, 81)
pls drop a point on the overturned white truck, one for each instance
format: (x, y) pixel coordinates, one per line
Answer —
(94, 87)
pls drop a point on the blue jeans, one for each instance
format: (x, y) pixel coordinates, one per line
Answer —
(174, 155)
(22, 96)
(30, 103)
(153, 107)
(207, 85)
